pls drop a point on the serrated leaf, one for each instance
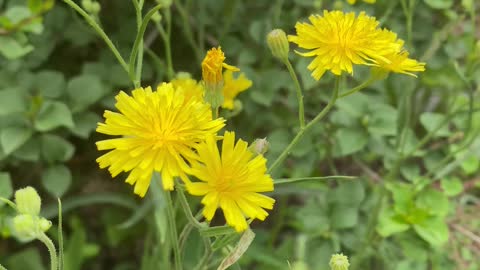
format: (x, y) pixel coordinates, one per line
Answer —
(54, 115)
(56, 149)
(56, 180)
(12, 138)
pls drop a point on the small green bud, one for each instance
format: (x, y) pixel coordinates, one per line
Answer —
(28, 201)
(87, 5)
(339, 262)
(259, 146)
(156, 17)
(45, 224)
(96, 8)
(278, 43)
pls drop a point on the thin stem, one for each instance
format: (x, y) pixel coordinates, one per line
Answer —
(51, 249)
(173, 231)
(357, 88)
(138, 70)
(60, 236)
(168, 47)
(186, 209)
(293, 180)
(302, 131)
(187, 29)
(102, 34)
(301, 113)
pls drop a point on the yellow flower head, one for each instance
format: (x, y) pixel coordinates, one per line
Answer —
(352, 2)
(159, 132)
(232, 181)
(232, 87)
(400, 63)
(338, 40)
(212, 66)
(190, 88)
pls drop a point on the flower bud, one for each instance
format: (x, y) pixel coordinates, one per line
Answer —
(87, 5)
(156, 17)
(28, 201)
(259, 146)
(339, 262)
(278, 44)
(25, 226)
(95, 8)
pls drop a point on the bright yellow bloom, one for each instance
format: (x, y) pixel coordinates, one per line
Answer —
(212, 66)
(400, 63)
(159, 132)
(232, 181)
(232, 87)
(190, 87)
(338, 40)
(351, 2)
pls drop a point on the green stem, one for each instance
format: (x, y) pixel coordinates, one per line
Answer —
(186, 209)
(51, 249)
(292, 180)
(138, 70)
(301, 113)
(187, 29)
(357, 88)
(302, 131)
(173, 230)
(102, 34)
(60, 236)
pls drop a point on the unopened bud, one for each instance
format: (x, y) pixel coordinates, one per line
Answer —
(87, 5)
(156, 17)
(278, 44)
(28, 201)
(259, 146)
(339, 262)
(95, 8)
(25, 226)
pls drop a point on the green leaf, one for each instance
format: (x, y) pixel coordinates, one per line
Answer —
(403, 195)
(430, 121)
(6, 190)
(344, 217)
(439, 4)
(349, 141)
(11, 101)
(29, 151)
(12, 138)
(356, 105)
(85, 90)
(348, 192)
(470, 165)
(13, 49)
(35, 5)
(434, 201)
(56, 180)
(85, 123)
(50, 83)
(389, 223)
(26, 259)
(452, 186)
(434, 230)
(382, 120)
(56, 149)
(53, 115)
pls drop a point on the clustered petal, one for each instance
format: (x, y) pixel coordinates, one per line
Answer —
(213, 65)
(231, 180)
(339, 40)
(159, 130)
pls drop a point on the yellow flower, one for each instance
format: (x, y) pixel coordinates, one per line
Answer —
(190, 87)
(352, 2)
(400, 63)
(338, 40)
(212, 66)
(159, 132)
(232, 87)
(232, 181)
